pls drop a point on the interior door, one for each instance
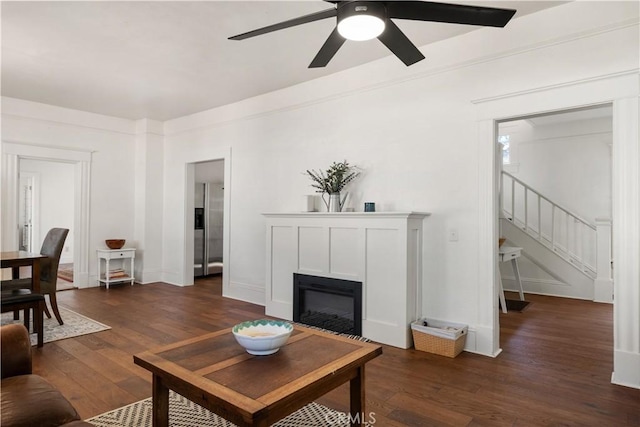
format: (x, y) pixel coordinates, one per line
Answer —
(26, 212)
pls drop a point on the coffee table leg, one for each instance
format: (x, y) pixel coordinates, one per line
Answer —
(160, 403)
(356, 387)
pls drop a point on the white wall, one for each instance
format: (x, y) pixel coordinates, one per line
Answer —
(56, 200)
(413, 131)
(110, 142)
(569, 162)
(212, 172)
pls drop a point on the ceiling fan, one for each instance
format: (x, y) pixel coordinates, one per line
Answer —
(365, 20)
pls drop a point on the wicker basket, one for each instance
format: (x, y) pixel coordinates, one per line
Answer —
(434, 338)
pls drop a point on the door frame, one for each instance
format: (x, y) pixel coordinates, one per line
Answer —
(187, 275)
(621, 90)
(11, 154)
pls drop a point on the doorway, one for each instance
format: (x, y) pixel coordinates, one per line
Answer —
(620, 90)
(46, 201)
(75, 212)
(209, 220)
(555, 193)
(553, 171)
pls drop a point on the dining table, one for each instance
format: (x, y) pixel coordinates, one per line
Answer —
(17, 259)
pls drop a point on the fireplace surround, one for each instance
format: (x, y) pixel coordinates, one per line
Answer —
(382, 250)
(328, 303)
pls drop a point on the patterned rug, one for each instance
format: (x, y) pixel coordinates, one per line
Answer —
(353, 337)
(74, 325)
(185, 413)
(65, 272)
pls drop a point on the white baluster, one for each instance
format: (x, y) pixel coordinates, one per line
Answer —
(539, 221)
(513, 203)
(553, 227)
(526, 209)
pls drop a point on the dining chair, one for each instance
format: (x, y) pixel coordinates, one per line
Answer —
(23, 299)
(52, 248)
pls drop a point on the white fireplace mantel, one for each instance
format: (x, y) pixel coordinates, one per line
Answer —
(383, 250)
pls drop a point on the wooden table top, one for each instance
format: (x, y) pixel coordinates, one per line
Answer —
(16, 259)
(19, 255)
(217, 367)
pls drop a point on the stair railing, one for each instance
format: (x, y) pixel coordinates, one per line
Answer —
(560, 230)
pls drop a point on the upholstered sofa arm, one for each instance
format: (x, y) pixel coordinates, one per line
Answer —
(15, 349)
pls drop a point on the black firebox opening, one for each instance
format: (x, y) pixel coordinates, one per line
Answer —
(328, 303)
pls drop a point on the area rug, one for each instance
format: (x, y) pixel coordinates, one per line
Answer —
(65, 272)
(185, 413)
(353, 337)
(74, 325)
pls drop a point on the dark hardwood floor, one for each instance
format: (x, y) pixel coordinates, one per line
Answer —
(555, 368)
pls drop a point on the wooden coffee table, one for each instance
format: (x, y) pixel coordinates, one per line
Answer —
(215, 372)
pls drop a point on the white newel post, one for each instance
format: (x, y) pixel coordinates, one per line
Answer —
(603, 285)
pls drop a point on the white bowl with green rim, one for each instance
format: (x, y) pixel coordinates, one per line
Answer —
(262, 337)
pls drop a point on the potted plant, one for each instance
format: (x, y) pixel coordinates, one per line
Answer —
(332, 182)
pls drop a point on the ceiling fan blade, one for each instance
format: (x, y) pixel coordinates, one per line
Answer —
(328, 13)
(328, 49)
(452, 13)
(399, 44)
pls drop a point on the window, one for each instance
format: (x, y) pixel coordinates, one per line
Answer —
(506, 149)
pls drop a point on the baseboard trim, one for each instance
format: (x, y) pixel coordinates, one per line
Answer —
(480, 340)
(552, 288)
(81, 280)
(150, 277)
(603, 290)
(245, 292)
(627, 369)
(525, 280)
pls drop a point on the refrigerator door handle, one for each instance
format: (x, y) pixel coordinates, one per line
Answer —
(207, 228)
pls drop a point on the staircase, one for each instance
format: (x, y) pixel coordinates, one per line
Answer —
(561, 243)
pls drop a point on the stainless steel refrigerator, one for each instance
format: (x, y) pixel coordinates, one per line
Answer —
(209, 202)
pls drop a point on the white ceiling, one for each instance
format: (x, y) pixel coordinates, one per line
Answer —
(162, 60)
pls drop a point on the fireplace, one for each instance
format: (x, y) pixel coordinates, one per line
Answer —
(382, 250)
(328, 303)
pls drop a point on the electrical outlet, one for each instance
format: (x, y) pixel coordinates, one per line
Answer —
(453, 235)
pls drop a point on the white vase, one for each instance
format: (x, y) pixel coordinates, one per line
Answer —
(308, 204)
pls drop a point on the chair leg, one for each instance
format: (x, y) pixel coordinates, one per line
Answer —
(16, 314)
(54, 307)
(38, 322)
(46, 311)
(27, 319)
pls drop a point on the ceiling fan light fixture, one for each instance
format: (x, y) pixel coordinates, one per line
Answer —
(361, 27)
(368, 19)
(361, 20)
